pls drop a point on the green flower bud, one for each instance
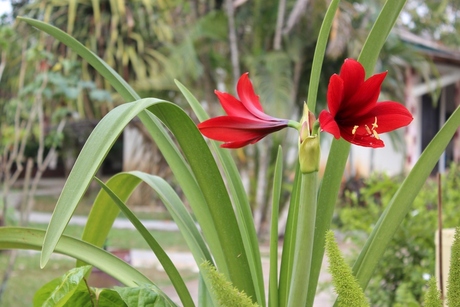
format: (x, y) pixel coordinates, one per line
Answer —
(309, 149)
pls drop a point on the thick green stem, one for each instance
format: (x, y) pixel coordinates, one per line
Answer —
(304, 240)
(327, 197)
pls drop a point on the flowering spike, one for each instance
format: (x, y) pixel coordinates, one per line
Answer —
(245, 122)
(345, 283)
(354, 113)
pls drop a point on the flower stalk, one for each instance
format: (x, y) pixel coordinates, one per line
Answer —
(304, 240)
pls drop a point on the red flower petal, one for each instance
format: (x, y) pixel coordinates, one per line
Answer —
(232, 106)
(247, 95)
(361, 140)
(328, 124)
(354, 113)
(352, 74)
(245, 122)
(365, 98)
(390, 116)
(241, 144)
(230, 128)
(334, 94)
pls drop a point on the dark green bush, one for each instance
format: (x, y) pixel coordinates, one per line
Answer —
(408, 261)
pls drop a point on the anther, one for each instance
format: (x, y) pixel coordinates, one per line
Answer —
(376, 135)
(374, 125)
(367, 129)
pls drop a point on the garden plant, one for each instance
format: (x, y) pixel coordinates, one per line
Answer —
(220, 230)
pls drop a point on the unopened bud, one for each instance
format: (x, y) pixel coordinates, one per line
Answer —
(309, 145)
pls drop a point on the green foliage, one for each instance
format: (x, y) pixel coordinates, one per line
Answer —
(453, 282)
(59, 291)
(345, 284)
(410, 254)
(144, 295)
(226, 294)
(71, 289)
(433, 295)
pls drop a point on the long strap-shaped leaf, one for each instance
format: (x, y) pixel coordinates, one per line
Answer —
(287, 257)
(210, 181)
(104, 212)
(168, 265)
(274, 236)
(240, 201)
(400, 204)
(179, 213)
(32, 239)
(237, 274)
(93, 153)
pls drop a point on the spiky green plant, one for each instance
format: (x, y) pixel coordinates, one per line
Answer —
(345, 284)
(226, 294)
(433, 295)
(453, 282)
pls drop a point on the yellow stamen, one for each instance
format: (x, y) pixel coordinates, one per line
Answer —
(374, 125)
(367, 129)
(376, 135)
(371, 131)
(354, 129)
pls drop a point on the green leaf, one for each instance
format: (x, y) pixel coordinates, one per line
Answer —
(124, 183)
(144, 295)
(379, 33)
(276, 192)
(170, 269)
(32, 239)
(109, 298)
(104, 212)
(223, 249)
(240, 200)
(58, 291)
(93, 153)
(287, 257)
(226, 244)
(401, 202)
(320, 51)
(209, 179)
(180, 215)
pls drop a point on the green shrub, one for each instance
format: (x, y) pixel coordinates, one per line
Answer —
(409, 259)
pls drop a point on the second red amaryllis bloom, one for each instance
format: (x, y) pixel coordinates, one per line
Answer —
(245, 122)
(354, 113)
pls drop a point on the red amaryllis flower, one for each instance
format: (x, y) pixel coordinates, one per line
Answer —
(354, 113)
(245, 123)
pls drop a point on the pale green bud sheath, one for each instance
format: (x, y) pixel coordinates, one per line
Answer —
(309, 146)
